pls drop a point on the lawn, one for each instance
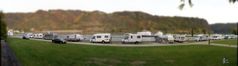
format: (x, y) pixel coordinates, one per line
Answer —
(38, 53)
(226, 41)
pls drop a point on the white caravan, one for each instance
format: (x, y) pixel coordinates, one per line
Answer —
(74, 37)
(168, 38)
(200, 37)
(216, 37)
(132, 38)
(38, 35)
(180, 38)
(101, 37)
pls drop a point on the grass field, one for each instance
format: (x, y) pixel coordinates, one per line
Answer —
(38, 53)
(226, 41)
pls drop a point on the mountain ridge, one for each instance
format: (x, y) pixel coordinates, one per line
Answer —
(98, 21)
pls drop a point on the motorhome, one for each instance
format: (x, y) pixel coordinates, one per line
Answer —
(101, 37)
(74, 37)
(180, 38)
(132, 38)
(38, 35)
(49, 36)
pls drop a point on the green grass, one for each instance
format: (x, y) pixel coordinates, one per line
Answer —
(226, 41)
(38, 53)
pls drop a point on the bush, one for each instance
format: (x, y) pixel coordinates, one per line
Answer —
(3, 27)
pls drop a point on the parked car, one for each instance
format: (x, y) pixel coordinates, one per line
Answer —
(101, 37)
(132, 38)
(59, 40)
(26, 36)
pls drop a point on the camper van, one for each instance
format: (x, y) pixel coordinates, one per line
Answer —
(49, 36)
(74, 37)
(38, 35)
(101, 37)
(180, 38)
(132, 38)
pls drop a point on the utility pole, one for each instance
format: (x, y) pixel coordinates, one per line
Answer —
(209, 42)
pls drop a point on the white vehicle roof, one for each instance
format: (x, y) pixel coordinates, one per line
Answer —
(102, 34)
(145, 33)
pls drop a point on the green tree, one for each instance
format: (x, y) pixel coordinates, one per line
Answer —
(3, 27)
(181, 6)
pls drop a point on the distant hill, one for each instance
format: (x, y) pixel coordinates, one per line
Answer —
(97, 21)
(224, 28)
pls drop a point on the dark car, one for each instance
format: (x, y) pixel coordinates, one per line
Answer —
(26, 36)
(59, 40)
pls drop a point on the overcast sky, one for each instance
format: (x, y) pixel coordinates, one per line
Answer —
(215, 11)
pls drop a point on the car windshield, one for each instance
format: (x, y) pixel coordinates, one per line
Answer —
(93, 37)
(126, 37)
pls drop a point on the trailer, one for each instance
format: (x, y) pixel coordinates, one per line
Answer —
(74, 37)
(101, 38)
(180, 38)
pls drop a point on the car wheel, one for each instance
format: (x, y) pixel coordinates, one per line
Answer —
(103, 41)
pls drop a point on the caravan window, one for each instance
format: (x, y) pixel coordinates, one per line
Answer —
(138, 36)
(98, 36)
(126, 37)
(106, 36)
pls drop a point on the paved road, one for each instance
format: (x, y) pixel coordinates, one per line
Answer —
(8, 58)
(146, 44)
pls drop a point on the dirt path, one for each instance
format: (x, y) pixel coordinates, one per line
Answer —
(8, 58)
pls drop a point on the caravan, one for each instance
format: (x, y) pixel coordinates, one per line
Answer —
(101, 37)
(74, 37)
(132, 38)
(216, 37)
(180, 38)
(49, 36)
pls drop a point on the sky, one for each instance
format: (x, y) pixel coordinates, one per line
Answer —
(214, 11)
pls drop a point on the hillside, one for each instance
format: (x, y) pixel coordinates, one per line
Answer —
(224, 28)
(96, 21)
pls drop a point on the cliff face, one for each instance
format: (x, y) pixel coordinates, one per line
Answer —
(97, 21)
